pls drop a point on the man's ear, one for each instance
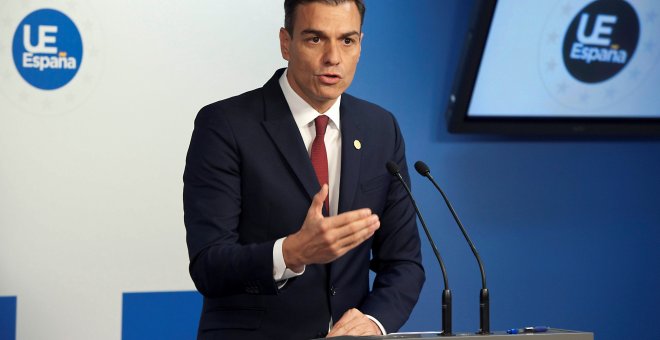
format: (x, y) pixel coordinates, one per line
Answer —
(285, 41)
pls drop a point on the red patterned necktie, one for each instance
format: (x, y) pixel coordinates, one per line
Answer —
(319, 155)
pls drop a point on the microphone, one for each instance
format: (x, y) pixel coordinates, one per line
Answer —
(484, 299)
(393, 169)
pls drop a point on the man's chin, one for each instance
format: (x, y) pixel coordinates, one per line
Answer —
(331, 92)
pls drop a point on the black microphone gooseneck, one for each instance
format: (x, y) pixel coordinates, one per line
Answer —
(484, 300)
(393, 169)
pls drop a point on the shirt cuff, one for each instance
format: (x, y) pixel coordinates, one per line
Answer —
(382, 329)
(280, 271)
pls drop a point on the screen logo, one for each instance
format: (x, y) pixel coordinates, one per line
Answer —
(47, 49)
(601, 40)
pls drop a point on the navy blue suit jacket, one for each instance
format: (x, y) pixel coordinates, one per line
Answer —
(249, 181)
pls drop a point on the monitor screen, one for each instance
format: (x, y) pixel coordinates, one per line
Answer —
(560, 66)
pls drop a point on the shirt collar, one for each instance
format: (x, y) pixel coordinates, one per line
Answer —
(303, 113)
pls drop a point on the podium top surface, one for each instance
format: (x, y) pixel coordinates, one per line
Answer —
(551, 334)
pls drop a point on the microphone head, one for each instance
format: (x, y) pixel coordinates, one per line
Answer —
(392, 168)
(422, 168)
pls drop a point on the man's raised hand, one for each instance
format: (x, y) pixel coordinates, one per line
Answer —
(323, 239)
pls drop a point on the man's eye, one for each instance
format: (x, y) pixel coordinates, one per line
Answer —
(315, 40)
(348, 41)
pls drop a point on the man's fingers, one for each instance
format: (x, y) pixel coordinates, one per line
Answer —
(353, 322)
(348, 316)
(348, 217)
(336, 235)
(343, 238)
(339, 328)
(357, 231)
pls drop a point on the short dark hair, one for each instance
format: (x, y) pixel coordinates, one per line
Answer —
(290, 8)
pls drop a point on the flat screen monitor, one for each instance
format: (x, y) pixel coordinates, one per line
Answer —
(560, 67)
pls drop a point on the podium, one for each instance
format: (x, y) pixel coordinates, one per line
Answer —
(551, 334)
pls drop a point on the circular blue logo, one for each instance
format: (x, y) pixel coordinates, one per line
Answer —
(601, 40)
(47, 49)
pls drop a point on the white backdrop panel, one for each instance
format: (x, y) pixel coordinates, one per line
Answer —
(90, 174)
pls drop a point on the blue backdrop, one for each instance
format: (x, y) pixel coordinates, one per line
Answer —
(569, 229)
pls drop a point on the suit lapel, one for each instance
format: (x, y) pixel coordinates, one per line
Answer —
(280, 125)
(350, 155)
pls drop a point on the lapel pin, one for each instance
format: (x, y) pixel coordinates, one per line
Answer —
(357, 144)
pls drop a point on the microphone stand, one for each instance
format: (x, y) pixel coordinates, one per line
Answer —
(484, 298)
(393, 169)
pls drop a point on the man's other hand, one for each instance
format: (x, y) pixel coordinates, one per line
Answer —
(324, 239)
(353, 322)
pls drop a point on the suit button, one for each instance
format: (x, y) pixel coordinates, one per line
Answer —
(333, 291)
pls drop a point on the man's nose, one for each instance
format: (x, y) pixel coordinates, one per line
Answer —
(332, 55)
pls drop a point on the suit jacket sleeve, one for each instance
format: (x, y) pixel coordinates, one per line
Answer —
(220, 264)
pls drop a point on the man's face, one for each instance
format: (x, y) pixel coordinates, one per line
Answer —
(323, 51)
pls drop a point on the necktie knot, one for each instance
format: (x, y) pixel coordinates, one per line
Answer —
(321, 123)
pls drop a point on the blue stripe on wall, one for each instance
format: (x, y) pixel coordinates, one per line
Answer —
(162, 315)
(7, 318)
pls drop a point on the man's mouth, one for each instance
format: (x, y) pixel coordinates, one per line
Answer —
(329, 78)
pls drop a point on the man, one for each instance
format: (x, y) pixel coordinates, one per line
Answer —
(287, 200)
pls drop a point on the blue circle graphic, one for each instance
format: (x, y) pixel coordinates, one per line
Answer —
(47, 49)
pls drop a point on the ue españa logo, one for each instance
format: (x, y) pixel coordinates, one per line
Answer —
(601, 40)
(47, 49)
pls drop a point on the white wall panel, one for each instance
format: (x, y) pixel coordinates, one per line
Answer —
(90, 173)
